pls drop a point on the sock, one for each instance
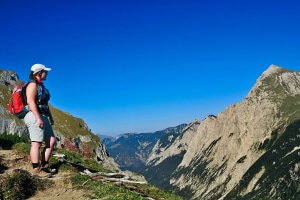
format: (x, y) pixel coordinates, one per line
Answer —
(35, 165)
(44, 162)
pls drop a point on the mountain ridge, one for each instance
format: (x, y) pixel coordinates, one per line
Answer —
(138, 147)
(222, 157)
(241, 123)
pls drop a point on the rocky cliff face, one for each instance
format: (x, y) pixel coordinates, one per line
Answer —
(224, 157)
(71, 132)
(8, 123)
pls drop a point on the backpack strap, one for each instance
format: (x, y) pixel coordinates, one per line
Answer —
(24, 93)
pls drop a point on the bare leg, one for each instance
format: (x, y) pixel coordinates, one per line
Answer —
(35, 160)
(35, 152)
(50, 143)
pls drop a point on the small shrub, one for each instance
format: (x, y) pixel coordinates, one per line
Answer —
(21, 185)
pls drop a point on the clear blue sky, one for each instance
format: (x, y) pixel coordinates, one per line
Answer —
(142, 66)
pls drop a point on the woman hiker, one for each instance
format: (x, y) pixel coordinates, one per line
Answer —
(38, 121)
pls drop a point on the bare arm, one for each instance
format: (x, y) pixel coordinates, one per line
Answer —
(31, 93)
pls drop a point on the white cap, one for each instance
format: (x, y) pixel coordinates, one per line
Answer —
(39, 67)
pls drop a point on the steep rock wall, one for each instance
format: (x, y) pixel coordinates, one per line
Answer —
(220, 151)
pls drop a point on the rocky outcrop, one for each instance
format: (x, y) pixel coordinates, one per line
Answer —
(8, 123)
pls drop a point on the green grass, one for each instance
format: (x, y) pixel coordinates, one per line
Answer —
(120, 191)
(22, 147)
(110, 190)
(79, 159)
(71, 126)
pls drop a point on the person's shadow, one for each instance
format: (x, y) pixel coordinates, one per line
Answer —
(4, 144)
(77, 166)
(2, 167)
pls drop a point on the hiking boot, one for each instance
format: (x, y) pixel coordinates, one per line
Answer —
(39, 173)
(47, 169)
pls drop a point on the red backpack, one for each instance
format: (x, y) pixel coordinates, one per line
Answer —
(18, 103)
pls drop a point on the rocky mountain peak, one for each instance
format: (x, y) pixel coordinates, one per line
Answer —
(192, 125)
(272, 69)
(9, 76)
(276, 83)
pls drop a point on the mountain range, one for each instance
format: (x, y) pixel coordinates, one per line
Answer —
(250, 150)
(132, 150)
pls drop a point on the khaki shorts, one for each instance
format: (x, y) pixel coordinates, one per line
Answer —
(36, 133)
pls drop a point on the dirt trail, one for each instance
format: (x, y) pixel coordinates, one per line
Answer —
(61, 189)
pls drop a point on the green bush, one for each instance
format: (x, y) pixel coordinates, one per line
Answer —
(8, 140)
